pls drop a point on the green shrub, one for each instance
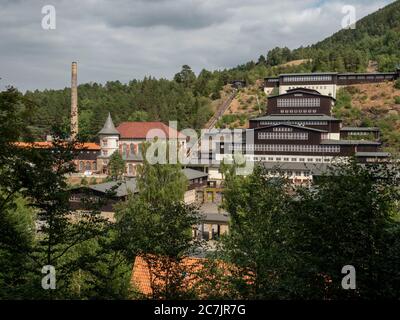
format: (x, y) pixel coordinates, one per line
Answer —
(84, 181)
(397, 84)
(353, 90)
(397, 100)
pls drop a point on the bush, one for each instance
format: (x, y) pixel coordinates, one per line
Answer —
(353, 90)
(397, 100)
(397, 84)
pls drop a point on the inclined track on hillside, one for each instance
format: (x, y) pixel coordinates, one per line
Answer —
(217, 116)
(220, 110)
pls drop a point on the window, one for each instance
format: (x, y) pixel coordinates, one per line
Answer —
(286, 159)
(88, 166)
(283, 136)
(105, 152)
(294, 159)
(104, 142)
(81, 165)
(298, 102)
(307, 78)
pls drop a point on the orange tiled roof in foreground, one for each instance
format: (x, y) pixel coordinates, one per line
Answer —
(139, 130)
(147, 270)
(49, 144)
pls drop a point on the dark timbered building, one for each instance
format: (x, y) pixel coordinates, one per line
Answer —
(299, 129)
(326, 83)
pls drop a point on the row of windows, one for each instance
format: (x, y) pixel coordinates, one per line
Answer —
(380, 77)
(286, 159)
(299, 111)
(283, 136)
(359, 133)
(299, 123)
(310, 87)
(90, 166)
(302, 102)
(283, 129)
(288, 148)
(307, 78)
(290, 173)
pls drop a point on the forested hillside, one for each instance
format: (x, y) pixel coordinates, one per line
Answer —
(189, 98)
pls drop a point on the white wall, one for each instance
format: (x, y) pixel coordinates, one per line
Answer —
(325, 89)
(190, 196)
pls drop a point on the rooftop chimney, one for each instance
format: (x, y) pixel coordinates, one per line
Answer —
(74, 100)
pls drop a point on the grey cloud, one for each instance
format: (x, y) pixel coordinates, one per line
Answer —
(125, 39)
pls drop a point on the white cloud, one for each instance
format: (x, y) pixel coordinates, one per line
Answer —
(127, 39)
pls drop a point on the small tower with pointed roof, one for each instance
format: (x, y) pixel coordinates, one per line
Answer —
(109, 138)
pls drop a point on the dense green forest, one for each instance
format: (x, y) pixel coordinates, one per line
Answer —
(188, 97)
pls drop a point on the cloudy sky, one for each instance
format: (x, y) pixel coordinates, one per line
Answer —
(126, 39)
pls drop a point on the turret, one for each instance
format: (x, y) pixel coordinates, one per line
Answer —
(109, 138)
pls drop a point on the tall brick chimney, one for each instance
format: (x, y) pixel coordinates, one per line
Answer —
(74, 100)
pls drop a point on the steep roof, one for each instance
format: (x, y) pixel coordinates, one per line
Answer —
(143, 275)
(122, 188)
(372, 129)
(126, 186)
(109, 127)
(318, 117)
(49, 145)
(139, 130)
(194, 174)
(288, 125)
(373, 154)
(304, 91)
(350, 142)
(314, 168)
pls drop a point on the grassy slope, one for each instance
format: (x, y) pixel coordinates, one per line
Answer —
(372, 105)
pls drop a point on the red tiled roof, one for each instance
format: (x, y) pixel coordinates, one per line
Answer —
(48, 144)
(143, 275)
(139, 130)
(148, 269)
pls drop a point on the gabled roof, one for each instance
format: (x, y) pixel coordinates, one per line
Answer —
(373, 154)
(277, 117)
(139, 130)
(109, 127)
(126, 186)
(122, 188)
(350, 142)
(143, 274)
(194, 174)
(372, 129)
(308, 74)
(301, 90)
(49, 145)
(289, 125)
(314, 168)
